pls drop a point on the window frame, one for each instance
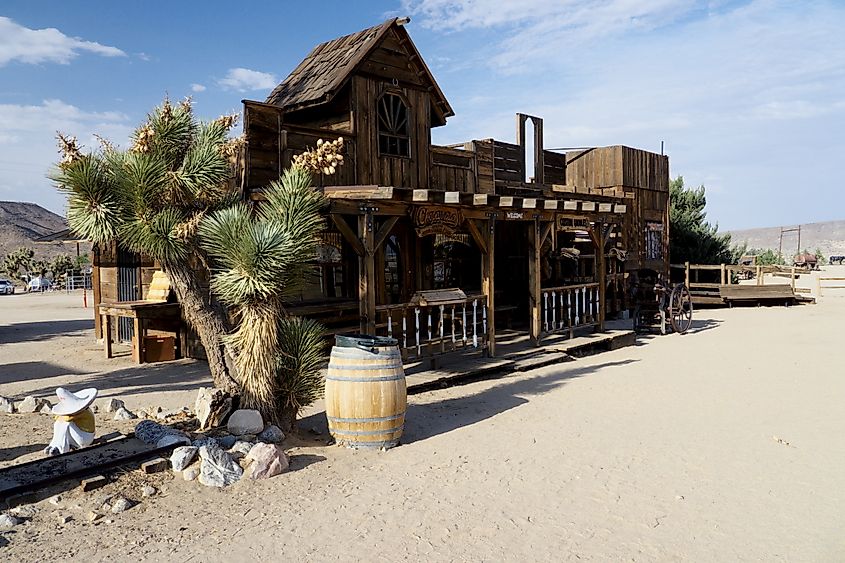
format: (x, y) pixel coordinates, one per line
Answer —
(381, 129)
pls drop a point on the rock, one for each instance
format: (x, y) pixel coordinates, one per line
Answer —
(226, 442)
(122, 504)
(7, 405)
(218, 468)
(182, 457)
(104, 502)
(245, 421)
(272, 435)
(47, 408)
(191, 473)
(7, 521)
(162, 415)
(93, 516)
(268, 460)
(114, 405)
(153, 433)
(24, 511)
(55, 500)
(212, 406)
(94, 409)
(123, 414)
(148, 491)
(30, 405)
(240, 448)
(64, 519)
(203, 441)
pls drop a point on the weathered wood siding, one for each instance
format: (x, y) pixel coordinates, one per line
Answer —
(617, 166)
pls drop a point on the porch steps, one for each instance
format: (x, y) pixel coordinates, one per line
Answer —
(462, 372)
(465, 370)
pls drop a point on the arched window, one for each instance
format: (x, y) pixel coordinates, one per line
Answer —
(393, 137)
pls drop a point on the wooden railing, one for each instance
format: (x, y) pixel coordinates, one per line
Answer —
(568, 307)
(432, 330)
(820, 287)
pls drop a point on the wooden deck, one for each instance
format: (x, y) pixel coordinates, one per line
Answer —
(517, 355)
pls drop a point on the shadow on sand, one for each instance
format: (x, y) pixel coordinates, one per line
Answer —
(426, 420)
(179, 375)
(41, 331)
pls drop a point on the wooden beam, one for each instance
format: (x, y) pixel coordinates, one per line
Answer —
(348, 234)
(488, 284)
(476, 235)
(358, 192)
(547, 229)
(534, 243)
(384, 232)
(367, 275)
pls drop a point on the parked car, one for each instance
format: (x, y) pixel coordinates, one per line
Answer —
(39, 284)
(6, 287)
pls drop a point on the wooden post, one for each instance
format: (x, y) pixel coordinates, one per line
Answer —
(686, 275)
(137, 340)
(367, 273)
(793, 279)
(724, 275)
(818, 286)
(534, 281)
(488, 285)
(106, 328)
(601, 261)
(759, 276)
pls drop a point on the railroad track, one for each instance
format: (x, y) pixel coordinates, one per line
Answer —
(112, 451)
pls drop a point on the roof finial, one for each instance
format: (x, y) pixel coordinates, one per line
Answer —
(403, 21)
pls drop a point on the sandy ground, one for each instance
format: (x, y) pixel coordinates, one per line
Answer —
(724, 444)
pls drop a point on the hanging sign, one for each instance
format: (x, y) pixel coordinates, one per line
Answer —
(432, 220)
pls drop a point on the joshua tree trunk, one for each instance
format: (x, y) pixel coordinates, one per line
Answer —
(208, 318)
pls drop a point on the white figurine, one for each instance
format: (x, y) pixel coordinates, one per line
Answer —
(74, 426)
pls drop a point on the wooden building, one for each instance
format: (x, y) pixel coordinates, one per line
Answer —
(444, 247)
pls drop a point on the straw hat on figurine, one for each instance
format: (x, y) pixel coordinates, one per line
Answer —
(72, 403)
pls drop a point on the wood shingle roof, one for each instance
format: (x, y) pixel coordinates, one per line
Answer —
(328, 66)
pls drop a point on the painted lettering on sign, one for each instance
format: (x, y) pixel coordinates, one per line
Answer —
(430, 220)
(514, 215)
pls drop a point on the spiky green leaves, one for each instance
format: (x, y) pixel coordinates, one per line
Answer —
(299, 379)
(265, 255)
(94, 200)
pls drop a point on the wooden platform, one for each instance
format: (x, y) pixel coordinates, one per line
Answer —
(520, 356)
(771, 294)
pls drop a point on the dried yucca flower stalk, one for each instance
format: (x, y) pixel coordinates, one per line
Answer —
(69, 148)
(324, 159)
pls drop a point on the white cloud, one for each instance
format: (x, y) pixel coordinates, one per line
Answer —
(744, 95)
(197, 88)
(245, 80)
(18, 43)
(28, 138)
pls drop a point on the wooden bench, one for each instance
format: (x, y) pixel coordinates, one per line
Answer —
(757, 293)
(154, 312)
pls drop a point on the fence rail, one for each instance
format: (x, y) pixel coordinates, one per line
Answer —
(820, 287)
(433, 330)
(568, 307)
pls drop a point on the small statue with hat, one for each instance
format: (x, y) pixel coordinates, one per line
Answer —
(74, 425)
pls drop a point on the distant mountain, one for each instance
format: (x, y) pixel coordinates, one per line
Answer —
(828, 236)
(21, 223)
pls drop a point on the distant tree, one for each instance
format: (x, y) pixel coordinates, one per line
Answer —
(820, 257)
(767, 257)
(18, 262)
(61, 264)
(691, 237)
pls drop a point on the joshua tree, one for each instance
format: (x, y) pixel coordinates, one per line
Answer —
(20, 259)
(262, 256)
(152, 198)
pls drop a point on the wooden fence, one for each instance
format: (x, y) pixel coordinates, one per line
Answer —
(433, 330)
(568, 307)
(819, 285)
(707, 292)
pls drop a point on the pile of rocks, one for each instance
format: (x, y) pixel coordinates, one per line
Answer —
(247, 447)
(29, 404)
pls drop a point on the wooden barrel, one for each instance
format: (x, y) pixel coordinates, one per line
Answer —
(366, 394)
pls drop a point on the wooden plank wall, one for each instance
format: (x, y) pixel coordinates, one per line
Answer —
(453, 169)
(372, 168)
(603, 167)
(554, 168)
(508, 162)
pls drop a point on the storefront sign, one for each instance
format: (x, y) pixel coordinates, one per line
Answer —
(514, 215)
(430, 220)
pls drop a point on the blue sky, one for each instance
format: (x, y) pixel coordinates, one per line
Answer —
(748, 96)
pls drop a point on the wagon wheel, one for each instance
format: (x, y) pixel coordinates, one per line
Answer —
(680, 308)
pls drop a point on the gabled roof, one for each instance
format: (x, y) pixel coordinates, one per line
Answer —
(321, 75)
